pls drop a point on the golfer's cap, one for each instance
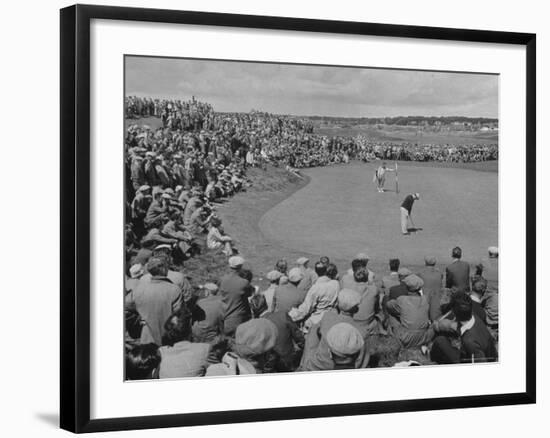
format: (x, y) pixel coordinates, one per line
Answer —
(302, 261)
(493, 250)
(417, 195)
(235, 261)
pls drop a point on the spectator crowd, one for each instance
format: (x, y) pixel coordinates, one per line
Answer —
(309, 317)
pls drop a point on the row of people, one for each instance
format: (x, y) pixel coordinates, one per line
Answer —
(312, 319)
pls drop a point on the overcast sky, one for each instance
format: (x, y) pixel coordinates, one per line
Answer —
(311, 90)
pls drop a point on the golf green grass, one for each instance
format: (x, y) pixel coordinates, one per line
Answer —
(340, 213)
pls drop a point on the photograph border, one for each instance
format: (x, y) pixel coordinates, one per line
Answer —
(75, 216)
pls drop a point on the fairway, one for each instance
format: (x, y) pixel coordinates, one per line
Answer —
(340, 213)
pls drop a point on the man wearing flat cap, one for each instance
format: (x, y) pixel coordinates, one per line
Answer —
(412, 313)
(273, 277)
(345, 344)
(234, 292)
(316, 351)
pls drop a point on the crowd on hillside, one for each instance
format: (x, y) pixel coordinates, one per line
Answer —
(283, 140)
(310, 317)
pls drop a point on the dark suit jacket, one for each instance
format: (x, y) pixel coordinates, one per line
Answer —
(478, 344)
(458, 275)
(397, 291)
(433, 282)
(234, 292)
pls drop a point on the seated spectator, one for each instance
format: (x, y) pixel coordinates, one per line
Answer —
(217, 239)
(316, 351)
(251, 351)
(321, 297)
(142, 362)
(180, 357)
(287, 296)
(476, 343)
(388, 281)
(412, 314)
(210, 328)
(479, 286)
(345, 344)
(308, 275)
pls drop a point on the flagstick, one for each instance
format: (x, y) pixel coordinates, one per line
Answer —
(396, 180)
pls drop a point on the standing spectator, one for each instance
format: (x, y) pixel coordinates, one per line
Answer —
(155, 301)
(412, 313)
(273, 278)
(457, 273)
(388, 281)
(433, 281)
(308, 275)
(234, 292)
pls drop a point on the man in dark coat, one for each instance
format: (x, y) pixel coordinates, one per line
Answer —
(234, 292)
(475, 341)
(433, 280)
(458, 272)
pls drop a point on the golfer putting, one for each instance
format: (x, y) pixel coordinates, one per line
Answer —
(406, 209)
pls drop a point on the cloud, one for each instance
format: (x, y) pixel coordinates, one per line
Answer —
(308, 90)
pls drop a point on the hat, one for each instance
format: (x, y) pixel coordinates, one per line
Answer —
(235, 261)
(169, 190)
(403, 272)
(144, 188)
(179, 188)
(255, 336)
(430, 260)
(295, 275)
(166, 196)
(211, 287)
(136, 270)
(417, 195)
(163, 246)
(413, 282)
(274, 275)
(302, 261)
(493, 250)
(348, 299)
(344, 340)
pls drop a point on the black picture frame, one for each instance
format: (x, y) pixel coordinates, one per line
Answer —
(75, 216)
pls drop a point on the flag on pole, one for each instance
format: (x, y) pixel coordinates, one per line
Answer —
(396, 179)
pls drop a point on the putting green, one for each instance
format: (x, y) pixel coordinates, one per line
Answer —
(340, 213)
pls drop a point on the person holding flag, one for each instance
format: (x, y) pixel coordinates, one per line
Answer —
(380, 176)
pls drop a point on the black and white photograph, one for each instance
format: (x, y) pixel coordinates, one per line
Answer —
(289, 218)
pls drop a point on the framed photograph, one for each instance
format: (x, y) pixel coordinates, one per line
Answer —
(267, 218)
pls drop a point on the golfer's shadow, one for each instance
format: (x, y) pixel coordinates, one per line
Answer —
(414, 230)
